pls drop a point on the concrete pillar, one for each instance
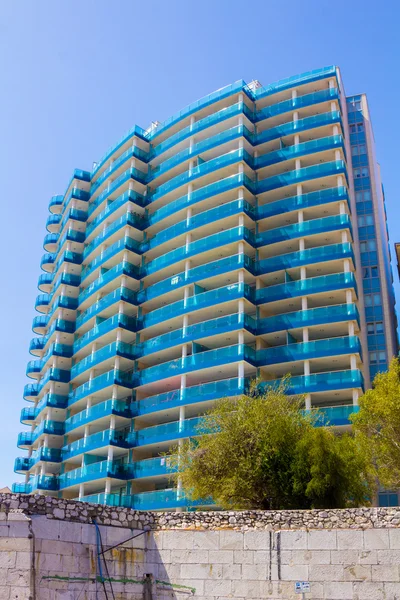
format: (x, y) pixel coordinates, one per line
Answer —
(346, 265)
(306, 368)
(107, 489)
(304, 303)
(300, 216)
(349, 297)
(303, 273)
(356, 394)
(345, 237)
(308, 401)
(351, 328)
(81, 490)
(342, 208)
(305, 334)
(353, 362)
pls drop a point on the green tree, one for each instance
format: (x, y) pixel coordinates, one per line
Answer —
(377, 425)
(265, 452)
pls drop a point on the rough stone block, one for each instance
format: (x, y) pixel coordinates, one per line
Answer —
(385, 573)
(206, 540)
(23, 560)
(220, 556)
(20, 593)
(294, 572)
(45, 529)
(254, 572)
(231, 540)
(322, 540)
(326, 573)
(178, 540)
(357, 573)
(394, 538)
(349, 539)
(368, 591)
(56, 547)
(376, 539)
(9, 544)
(18, 578)
(217, 588)
(243, 557)
(392, 591)
(257, 540)
(189, 556)
(232, 571)
(293, 540)
(310, 557)
(49, 562)
(201, 571)
(7, 560)
(4, 592)
(336, 590)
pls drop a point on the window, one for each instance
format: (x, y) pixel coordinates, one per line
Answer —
(363, 196)
(359, 149)
(372, 300)
(357, 128)
(365, 220)
(374, 271)
(377, 357)
(361, 172)
(368, 246)
(376, 327)
(354, 105)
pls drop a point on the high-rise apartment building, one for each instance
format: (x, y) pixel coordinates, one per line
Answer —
(245, 236)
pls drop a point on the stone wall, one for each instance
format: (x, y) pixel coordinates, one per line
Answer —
(49, 551)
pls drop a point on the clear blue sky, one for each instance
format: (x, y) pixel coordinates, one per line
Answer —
(76, 75)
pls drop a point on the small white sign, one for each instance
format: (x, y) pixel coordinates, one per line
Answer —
(302, 587)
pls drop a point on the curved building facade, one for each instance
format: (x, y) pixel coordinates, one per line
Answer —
(220, 245)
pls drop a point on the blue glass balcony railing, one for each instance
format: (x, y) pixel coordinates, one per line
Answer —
(305, 257)
(327, 169)
(151, 467)
(300, 202)
(104, 409)
(204, 168)
(123, 268)
(132, 152)
(295, 80)
(28, 413)
(205, 244)
(190, 395)
(305, 287)
(308, 318)
(306, 228)
(52, 401)
(209, 216)
(166, 432)
(47, 261)
(121, 245)
(95, 442)
(115, 377)
(292, 127)
(126, 219)
(309, 350)
(108, 352)
(97, 470)
(296, 150)
(129, 174)
(50, 239)
(117, 321)
(320, 382)
(336, 415)
(55, 201)
(221, 325)
(194, 362)
(206, 299)
(296, 103)
(52, 222)
(122, 200)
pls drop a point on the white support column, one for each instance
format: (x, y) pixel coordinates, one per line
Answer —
(349, 297)
(346, 265)
(107, 489)
(302, 244)
(294, 94)
(342, 208)
(296, 139)
(295, 116)
(300, 216)
(297, 164)
(81, 490)
(303, 273)
(335, 130)
(333, 106)
(345, 237)
(339, 181)
(86, 431)
(304, 303)
(305, 334)
(356, 394)
(308, 401)
(351, 328)
(337, 155)
(353, 362)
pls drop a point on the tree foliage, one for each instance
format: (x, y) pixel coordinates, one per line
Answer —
(265, 452)
(377, 425)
